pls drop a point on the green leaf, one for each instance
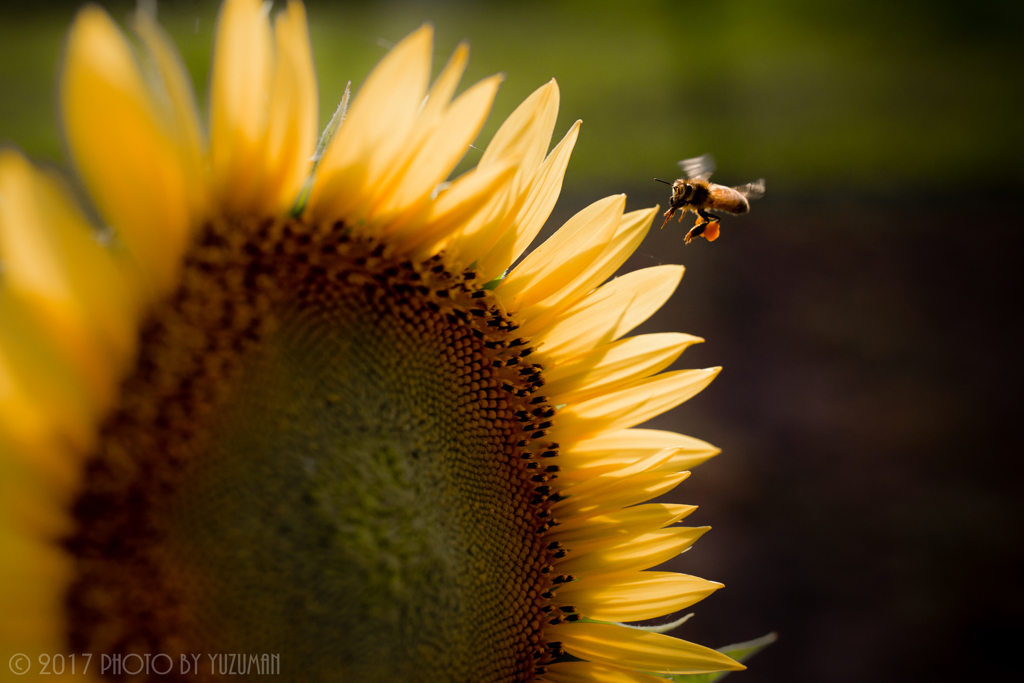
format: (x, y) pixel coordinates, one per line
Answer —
(740, 652)
(332, 126)
(660, 628)
(325, 139)
(495, 282)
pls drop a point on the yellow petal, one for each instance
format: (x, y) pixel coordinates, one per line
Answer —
(642, 552)
(480, 231)
(37, 481)
(634, 596)
(631, 231)
(388, 201)
(500, 219)
(443, 150)
(648, 464)
(68, 281)
(532, 211)
(239, 88)
(607, 313)
(524, 135)
(636, 489)
(181, 104)
(33, 579)
(575, 532)
(527, 133)
(432, 112)
(375, 131)
(45, 460)
(611, 451)
(593, 672)
(30, 502)
(555, 264)
(636, 649)
(43, 404)
(630, 526)
(467, 195)
(625, 532)
(441, 92)
(613, 365)
(292, 126)
(627, 407)
(128, 159)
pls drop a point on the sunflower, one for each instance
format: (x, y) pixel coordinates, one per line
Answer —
(297, 403)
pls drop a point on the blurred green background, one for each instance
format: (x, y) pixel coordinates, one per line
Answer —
(868, 502)
(866, 95)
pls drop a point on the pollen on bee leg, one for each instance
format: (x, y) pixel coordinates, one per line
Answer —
(711, 231)
(696, 231)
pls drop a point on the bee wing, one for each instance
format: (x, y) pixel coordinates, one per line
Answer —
(754, 190)
(698, 168)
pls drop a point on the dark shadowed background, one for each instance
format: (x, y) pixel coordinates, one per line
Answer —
(868, 502)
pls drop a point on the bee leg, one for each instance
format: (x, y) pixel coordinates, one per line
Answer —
(668, 216)
(712, 225)
(708, 216)
(695, 232)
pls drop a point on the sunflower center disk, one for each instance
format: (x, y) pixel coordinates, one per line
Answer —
(327, 454)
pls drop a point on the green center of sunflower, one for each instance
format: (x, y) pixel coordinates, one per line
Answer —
(328, 454)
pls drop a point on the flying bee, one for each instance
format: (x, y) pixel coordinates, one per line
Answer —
(694, 193)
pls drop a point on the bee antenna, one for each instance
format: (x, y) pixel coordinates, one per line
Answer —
(663, 181)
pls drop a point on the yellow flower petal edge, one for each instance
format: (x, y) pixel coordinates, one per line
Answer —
(243, 73)
(635, 649)
(592, 672)
(129, 157)
(375, 131)
(549, 374)
(637, 596)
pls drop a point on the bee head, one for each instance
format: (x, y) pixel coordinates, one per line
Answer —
(681, 191)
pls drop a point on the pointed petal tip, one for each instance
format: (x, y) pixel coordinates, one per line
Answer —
(619, 199)
(671, 270)
(91, 23)
(88, 10)
(717, 451)
(424, 34)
